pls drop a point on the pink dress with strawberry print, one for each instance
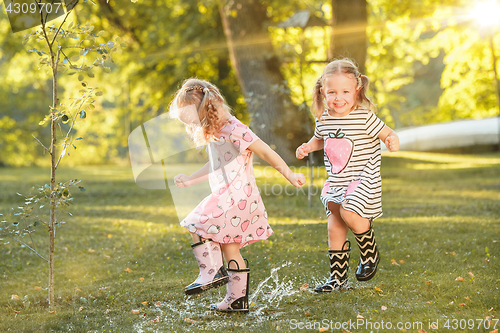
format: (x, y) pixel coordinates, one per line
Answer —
(352, 159)
(234, 212)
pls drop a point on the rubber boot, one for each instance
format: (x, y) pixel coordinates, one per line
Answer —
(236, 299)
(212, 271)
(339, 267)
(369, 255)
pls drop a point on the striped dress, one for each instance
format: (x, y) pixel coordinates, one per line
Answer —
(352, 160)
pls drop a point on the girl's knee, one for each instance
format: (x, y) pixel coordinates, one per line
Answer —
(348, 215)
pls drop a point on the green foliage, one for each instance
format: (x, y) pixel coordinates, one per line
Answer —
(32, 213)
(408, 37)
(158, 44)
(468, 78)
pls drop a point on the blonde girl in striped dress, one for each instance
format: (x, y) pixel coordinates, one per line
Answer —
(350, 133)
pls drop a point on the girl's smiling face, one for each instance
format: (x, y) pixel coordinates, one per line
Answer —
(340, 92)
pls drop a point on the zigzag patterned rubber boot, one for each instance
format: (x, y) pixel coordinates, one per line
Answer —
(236, 299)
(339, 266)
(212, 271)
(369, 255)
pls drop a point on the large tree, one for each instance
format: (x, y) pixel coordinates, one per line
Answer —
(275, 118)
(349, 21)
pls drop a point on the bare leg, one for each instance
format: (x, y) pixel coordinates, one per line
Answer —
(231, 251)
(355, 222)
(337, 228)
(195, 237)
(369, 254)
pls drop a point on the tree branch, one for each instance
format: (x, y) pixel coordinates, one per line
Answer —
(40, 143)
(59, 29)
(29, 247)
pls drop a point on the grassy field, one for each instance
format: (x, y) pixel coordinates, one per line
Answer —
(123, 260)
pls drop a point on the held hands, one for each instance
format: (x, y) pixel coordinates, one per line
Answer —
(303, 150)
(181, 180)
(392, 142)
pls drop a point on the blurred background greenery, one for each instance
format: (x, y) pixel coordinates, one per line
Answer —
(429, 61)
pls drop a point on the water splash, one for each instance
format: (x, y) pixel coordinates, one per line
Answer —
(272, 293)
(265, 303)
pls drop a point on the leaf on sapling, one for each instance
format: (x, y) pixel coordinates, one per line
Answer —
(99, 93)
(81, 188)
(80, 138)
(80, 77)
(64, 118)
(83, 115)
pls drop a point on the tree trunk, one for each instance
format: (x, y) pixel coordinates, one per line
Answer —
(53, 137)
(349, 21)
(274, 117)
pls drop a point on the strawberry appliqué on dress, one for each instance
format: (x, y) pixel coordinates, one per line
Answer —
(338, 150)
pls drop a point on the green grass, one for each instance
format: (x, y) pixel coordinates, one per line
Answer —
(124, 250)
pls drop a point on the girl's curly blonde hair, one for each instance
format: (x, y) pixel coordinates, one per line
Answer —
(207, 100)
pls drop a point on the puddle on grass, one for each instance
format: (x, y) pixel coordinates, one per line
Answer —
(192, 314)
(265, 301)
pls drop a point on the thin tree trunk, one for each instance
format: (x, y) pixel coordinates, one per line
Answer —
(349, 21)
(275, 119)
(52, 223)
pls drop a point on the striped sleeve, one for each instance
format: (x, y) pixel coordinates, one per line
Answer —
(374, 125)
(317, 132)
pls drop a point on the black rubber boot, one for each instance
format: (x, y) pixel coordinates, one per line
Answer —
(339, 266)
(369, 255)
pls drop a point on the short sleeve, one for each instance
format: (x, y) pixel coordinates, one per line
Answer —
(374, 125)
(317, 132)
(242, 136)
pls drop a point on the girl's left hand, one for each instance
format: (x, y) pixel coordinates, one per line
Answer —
(297, 180)
(392, 142)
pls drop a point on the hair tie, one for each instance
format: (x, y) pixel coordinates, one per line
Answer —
(205, 90)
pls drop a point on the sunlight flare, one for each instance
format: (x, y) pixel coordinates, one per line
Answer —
(487, 13)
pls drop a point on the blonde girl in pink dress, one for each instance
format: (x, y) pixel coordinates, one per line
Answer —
(233, 215)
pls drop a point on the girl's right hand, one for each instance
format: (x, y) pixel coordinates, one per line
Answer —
(303, 151)
(181, 180)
